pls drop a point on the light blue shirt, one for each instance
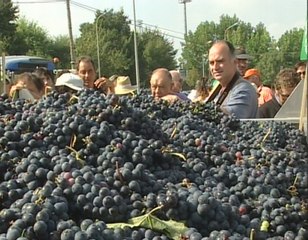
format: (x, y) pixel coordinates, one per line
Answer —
(242, 100)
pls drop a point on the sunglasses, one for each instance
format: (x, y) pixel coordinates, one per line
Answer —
(300, 73)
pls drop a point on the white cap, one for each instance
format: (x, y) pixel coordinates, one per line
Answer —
(70, 80)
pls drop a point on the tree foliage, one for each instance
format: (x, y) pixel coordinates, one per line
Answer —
(112, 34)
(30, 39)
(61, 49)
(156, 51)
(8, 16)
(268, 55)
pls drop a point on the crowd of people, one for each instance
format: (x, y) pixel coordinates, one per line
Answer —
(235, 88)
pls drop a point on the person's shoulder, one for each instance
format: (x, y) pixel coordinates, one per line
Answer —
(267, 104)
(266, 89)
(192, 94)
(182, 96)
(271, 104)
(242, 84)
(269, 109)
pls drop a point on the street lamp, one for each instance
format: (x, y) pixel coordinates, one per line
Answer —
(204, 62)
(97, 46)
(185, 25)
(228, 28)
(205, 59)
(185, 17)
(136, 50)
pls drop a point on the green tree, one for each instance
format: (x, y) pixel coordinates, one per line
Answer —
(281, 54)
(60, 48)
(116, 46)
(156, 51)
(114, 40)
(290, 45)
(8, 16)
(267, 55)
(30, 39)
(269, 65)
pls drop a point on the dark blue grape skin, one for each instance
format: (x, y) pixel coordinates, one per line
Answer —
(122, 159)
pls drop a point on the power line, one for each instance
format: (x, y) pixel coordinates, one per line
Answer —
(92, 9)
(150, 25)
(34, 2)
(169, 35)
(142, 23)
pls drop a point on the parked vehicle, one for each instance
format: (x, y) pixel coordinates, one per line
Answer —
(20, 63)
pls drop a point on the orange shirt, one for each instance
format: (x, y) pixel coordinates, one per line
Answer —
(265, 93)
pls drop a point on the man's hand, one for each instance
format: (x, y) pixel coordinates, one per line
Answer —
(170, 98)
(105, 85)
(18, 86)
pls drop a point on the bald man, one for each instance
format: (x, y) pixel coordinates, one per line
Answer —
(161, 85)
(177, 85)
(233, 94)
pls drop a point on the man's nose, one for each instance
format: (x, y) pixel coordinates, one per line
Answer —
(156, 91)
(215, 65)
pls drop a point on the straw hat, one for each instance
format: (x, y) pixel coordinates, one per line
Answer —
(124, 86)
(70, 80)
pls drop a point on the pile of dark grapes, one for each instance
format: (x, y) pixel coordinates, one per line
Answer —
(69, 166)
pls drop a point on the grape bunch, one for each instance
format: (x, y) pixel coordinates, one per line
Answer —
(69, 166)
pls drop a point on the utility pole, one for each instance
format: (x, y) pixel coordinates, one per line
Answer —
(70, 31)
(136, 49)
(97, 45)
(185, 16)
(3, 73)
(185, 28)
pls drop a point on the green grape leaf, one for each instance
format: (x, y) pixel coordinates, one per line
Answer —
(170, 228)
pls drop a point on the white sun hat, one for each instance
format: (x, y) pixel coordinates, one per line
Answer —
(70, 80)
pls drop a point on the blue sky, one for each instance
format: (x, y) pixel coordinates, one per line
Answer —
(168, 15)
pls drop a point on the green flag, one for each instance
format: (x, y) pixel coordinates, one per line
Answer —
(303, 55)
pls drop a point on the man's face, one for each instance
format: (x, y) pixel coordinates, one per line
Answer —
(242, 66)
(177, 86)
(48, 81)
(301, 71)
(284, 93)
(222, 64)
(177, 81)
(31, 87)
(87, 73)
(160, 86)
(255, 79)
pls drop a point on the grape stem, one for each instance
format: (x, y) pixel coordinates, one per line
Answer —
(292, 189)
(119, 172)
(252, 234)
(264, 138)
